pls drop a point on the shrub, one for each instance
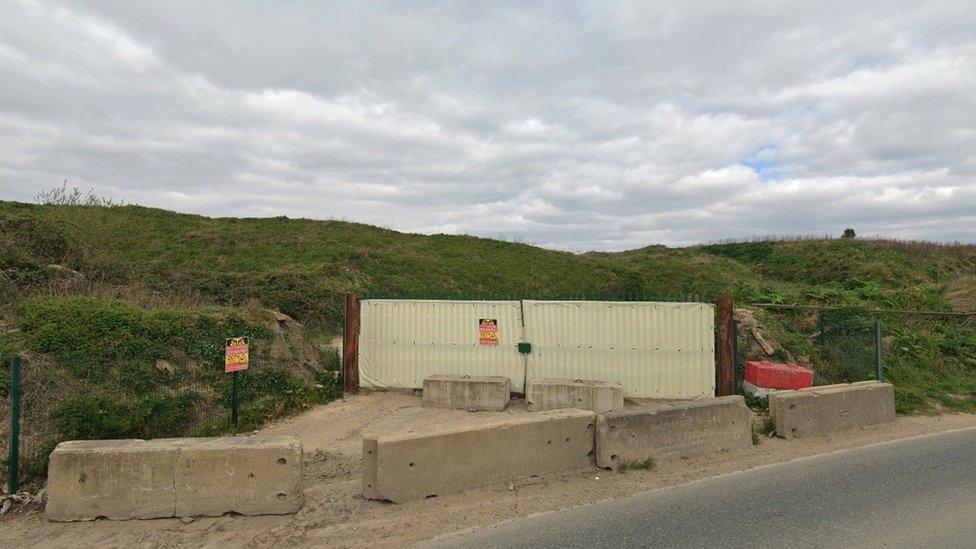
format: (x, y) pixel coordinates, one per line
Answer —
(270, 392)
(101, 416)
(92, 417)
(92, 338)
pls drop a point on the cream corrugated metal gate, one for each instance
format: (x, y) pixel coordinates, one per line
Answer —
(654, 349)
(403, 341)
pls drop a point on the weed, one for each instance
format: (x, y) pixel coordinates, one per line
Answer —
(760, 405)
(64, 196)
(646, 464)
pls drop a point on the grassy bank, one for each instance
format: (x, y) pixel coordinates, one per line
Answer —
(121, 310)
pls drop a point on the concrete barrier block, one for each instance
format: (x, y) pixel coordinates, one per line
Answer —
(672, 431)
(554, 394)
(467, 392)
(818, 410)
(249, 476)
(116, 479)
(444, 461)
(126, 479)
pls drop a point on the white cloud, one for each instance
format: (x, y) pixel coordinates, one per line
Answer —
(574, 125)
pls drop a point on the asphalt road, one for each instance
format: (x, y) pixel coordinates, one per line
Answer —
(911, 493)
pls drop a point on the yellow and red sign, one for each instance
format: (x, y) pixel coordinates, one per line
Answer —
(236, 354)
(488, 331)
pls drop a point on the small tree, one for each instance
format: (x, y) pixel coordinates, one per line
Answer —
(849, 234)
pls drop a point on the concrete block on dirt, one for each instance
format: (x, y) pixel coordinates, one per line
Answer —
(593, 395)
(672, 431)
(127, 479)
(818, 410)
(245, 475)
(443, 461)
(467, 392)
(116, 479)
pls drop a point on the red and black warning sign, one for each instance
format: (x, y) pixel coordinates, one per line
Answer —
(236, 354)
(488, 331)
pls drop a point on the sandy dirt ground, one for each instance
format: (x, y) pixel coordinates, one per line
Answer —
(335, 513)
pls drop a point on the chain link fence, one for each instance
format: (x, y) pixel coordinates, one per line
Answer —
(850, 351)
(54, 407)
(20, 406)
(48, 416)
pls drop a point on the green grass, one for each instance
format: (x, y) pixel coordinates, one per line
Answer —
(96, 339)
(646, 464)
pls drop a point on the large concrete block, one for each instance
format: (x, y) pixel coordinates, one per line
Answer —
(116, 479)
(124, 479)
(467, 392)
(444, 461)
(671, 431)
(582, 394)
(249, 476)
(819, 410)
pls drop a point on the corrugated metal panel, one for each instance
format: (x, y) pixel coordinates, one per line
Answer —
(655, 350)
(403, 341)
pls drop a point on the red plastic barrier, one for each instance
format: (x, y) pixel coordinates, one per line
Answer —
(778, 376)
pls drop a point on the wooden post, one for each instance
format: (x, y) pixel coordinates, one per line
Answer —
(350, 346)
(724, 357)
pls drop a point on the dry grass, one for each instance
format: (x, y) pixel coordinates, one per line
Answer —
(927, 247)
(68, 283)
(961, 294)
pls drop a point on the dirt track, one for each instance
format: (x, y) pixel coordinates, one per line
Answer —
(336, 514)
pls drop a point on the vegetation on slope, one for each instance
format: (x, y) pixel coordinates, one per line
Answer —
(126, 306)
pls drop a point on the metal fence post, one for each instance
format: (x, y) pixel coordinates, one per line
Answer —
(735, 356)
(13, 460)
(879, 362)
(233, 400)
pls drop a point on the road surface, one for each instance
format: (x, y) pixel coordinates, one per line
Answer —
(918, 492)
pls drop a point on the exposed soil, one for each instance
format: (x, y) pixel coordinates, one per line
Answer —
(336, 514)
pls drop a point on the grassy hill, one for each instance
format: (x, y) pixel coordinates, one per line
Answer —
(121, 310)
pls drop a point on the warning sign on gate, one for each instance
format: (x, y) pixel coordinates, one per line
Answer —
(236, 354)
(488, 331)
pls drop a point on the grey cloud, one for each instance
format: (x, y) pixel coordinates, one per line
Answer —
(583, 125)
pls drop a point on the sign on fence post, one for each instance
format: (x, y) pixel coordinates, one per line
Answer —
(236, 358)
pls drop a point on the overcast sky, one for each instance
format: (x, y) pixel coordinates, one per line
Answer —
(577, 125)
